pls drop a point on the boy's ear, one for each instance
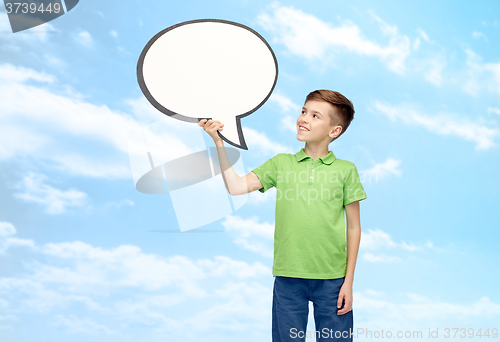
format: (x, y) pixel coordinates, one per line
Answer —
(335, 132)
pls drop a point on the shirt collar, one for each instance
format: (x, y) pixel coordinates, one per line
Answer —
(328, 159)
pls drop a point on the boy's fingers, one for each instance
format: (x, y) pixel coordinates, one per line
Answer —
(343, 311)
(210, 122)
(210, 126)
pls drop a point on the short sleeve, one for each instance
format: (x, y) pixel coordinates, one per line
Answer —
(267, 173)
(353, 190)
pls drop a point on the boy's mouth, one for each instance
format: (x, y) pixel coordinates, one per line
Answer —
(303, 129)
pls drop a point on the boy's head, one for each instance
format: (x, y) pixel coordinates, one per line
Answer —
(341, 110)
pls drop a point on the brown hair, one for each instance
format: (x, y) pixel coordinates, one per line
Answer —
(345, 109)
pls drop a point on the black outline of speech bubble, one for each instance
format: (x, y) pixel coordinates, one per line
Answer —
(178, 116)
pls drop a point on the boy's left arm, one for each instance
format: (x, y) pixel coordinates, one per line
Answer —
(353, 239)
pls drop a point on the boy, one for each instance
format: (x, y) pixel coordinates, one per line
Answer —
(312, 260)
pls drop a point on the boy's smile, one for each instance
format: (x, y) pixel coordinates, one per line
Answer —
(313, 125)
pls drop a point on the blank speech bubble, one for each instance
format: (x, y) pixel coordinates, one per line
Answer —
(208, 68)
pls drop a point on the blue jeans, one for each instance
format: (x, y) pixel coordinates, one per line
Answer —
(291, 298)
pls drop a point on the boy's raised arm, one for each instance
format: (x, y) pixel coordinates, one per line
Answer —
(235, 184)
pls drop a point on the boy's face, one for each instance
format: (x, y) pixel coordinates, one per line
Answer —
(315, 118)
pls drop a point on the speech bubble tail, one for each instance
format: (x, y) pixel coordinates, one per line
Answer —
(233, 134)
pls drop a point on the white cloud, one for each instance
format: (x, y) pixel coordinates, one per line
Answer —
(262, 145)
(75, 325)
(7, 239)
(146, 289)
(434, 69)
(113, 33)
(423, 34)
(54, 61)
(119, 204)
(494, 110)
(7, 229)
(285, 103)
(381, 170)
(145, 113)
(128, 266)
(289, 123)
(64, 131)
(71, 115)
(380, 258)
(478, 35)
(250, 234)
(54, 200)
(17, 140)
(11, 73)
(124, 286)
(85, 39)
(17, 242)
(481, 76)
(431, 60)
(376, 239)
(288, 108)
(225, 266)
(245, 309)
(416, 44)
(238, 307)
(14, 41)
(444, 124)
(34, 121)
(419, 312)
(309, 37)
(121, 267)
(373, 292)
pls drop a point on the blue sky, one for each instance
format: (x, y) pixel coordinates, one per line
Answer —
(79, 257)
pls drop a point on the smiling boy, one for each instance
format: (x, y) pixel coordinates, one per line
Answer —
(313, 259)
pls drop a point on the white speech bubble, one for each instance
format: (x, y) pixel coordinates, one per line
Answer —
(208, 68)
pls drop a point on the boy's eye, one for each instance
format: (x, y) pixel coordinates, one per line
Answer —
(316, 116)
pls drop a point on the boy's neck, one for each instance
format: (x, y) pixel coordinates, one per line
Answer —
(316, 151)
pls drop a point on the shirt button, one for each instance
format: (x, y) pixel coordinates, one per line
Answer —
(313, 170)
(311, 177)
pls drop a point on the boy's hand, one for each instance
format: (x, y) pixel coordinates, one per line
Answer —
(211, 127)
(346, 295)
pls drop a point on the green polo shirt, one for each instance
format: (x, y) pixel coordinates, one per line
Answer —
(310, 230)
